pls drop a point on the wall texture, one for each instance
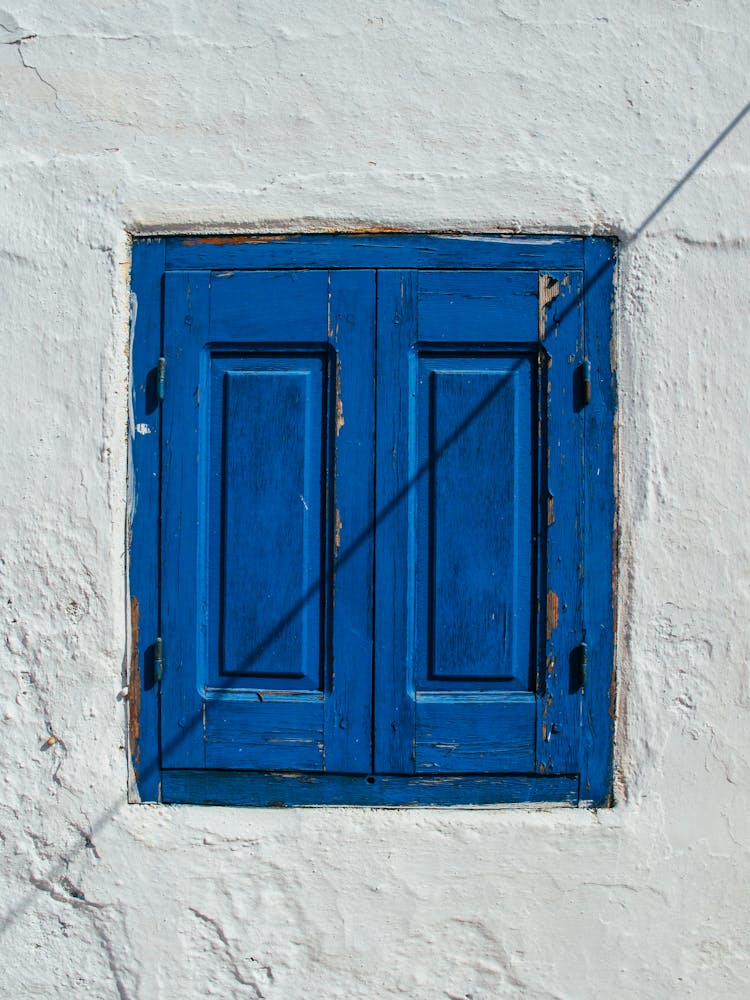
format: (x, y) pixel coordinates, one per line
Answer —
(518, 115)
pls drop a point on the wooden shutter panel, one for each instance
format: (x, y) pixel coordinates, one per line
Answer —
(466, 407)
(267, 469)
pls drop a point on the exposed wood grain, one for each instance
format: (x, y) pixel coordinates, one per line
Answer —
(134, 687)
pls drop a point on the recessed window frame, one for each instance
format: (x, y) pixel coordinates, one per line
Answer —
(594, 258)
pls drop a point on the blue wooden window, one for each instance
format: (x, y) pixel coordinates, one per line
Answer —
(371, 548)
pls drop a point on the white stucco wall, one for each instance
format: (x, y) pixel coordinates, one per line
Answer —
(521, 115)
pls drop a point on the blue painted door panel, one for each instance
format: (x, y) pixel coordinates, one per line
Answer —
(270, 608)
(462, 307)
(476, 434)
(267, 464)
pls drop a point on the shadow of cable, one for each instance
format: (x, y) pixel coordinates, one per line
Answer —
(53, 881)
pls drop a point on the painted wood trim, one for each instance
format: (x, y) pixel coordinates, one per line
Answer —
(239, 732)
(237, 788)
(562, 599)
(458, 734)
(598, 721)
(386, 250)
(183, 508)
(348, 704)
(152, 256)
(394, 705)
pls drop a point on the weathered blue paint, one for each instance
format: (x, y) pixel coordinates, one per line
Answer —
(295, 364)
(600, 535)
(457, 364)
(281, 401)
(244, 788)
(386, 250)
(267, 465)
(562, 468)
(473, 532)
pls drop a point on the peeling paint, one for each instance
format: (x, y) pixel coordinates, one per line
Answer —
(552, 613)
(549, 289)
(221, 241)
(339, 400)
(337, 534)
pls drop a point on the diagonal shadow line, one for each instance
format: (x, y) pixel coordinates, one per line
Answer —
(10, 915)
(590, 280)
(260, 648)
(692, 170)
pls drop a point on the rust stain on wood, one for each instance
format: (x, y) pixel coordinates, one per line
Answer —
(553, 613)
(375, 230)
(220, 241)
(229, 240)
(134, 685)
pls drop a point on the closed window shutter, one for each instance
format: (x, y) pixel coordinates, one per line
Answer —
(374, 508)
(269, 628)
(482, 422)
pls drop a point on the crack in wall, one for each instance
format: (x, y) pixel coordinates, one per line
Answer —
(18, 43)
(234, 965)
(69, 894)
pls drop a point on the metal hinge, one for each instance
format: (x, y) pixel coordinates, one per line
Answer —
(161, 378)
(579, 663)
(584, 375)
(158, 659)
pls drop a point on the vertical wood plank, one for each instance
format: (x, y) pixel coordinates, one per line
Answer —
(186, 317)
(395, 707)
(562, 599)
(292, 605)
(348, 713)
(600, 429)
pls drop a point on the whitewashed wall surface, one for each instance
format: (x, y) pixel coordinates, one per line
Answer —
(476, 115)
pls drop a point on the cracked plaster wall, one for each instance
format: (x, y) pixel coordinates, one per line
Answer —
(525, 115)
